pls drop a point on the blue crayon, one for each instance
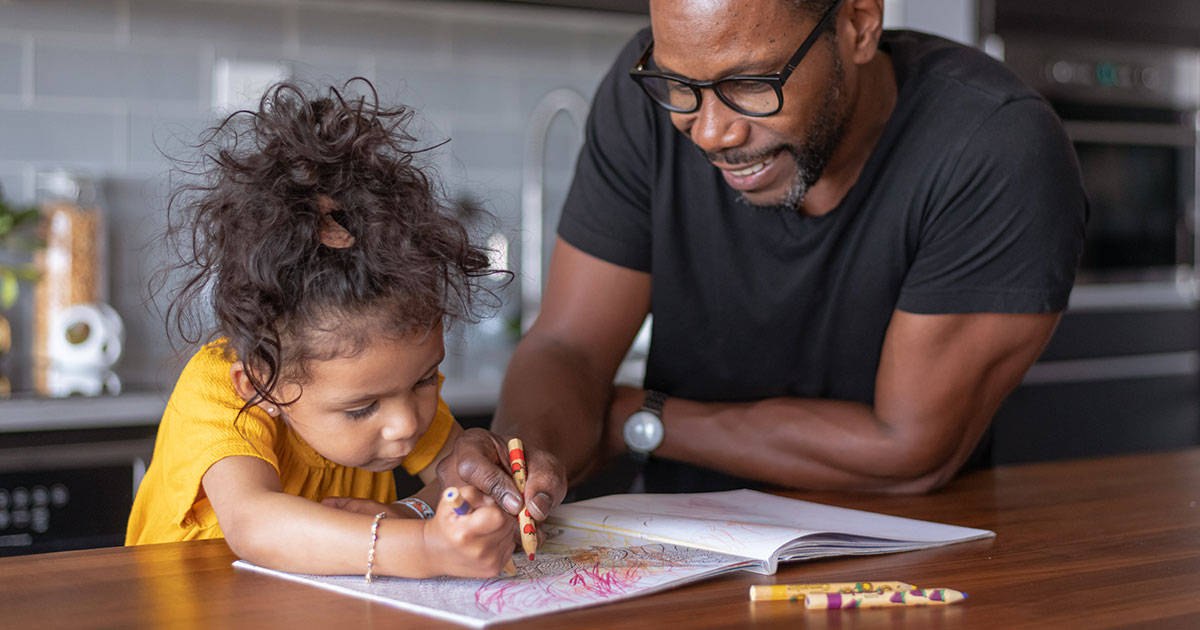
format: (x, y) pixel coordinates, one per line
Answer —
(456, 501)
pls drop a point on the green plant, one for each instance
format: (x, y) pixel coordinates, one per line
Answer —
(16, 233)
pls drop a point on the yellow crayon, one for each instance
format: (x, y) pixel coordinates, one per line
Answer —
(914, 597)
(794, 592)
(516, 457)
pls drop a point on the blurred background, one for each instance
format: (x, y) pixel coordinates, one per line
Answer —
(94, 92)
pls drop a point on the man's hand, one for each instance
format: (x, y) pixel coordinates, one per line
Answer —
(480, 459)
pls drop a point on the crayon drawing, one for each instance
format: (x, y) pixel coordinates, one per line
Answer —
(574, 568)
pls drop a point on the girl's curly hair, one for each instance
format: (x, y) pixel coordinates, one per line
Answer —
(308, 229)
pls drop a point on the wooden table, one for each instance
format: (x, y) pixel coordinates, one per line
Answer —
(1084, 544)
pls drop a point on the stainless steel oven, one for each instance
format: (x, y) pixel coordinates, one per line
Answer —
(1131, 112)
(1122, 372)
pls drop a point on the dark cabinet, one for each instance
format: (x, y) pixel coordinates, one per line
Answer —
(1110, 382)
(63, 490)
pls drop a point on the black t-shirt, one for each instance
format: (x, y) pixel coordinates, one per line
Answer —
(971, 201)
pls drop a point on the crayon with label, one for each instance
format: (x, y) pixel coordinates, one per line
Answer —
(516, 458)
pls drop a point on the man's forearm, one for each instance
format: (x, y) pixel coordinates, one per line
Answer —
(813, 444)
(552, 400)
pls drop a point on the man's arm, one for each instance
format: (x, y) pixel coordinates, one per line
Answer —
(940, 380)
(558, 386)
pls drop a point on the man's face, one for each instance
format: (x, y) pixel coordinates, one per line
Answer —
(774, 160)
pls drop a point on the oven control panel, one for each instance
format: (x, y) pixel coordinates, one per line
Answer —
(29, 508)
(56, 509)
(1104, 74)
(1088, 72)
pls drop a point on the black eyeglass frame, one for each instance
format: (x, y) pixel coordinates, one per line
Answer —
(776, 81)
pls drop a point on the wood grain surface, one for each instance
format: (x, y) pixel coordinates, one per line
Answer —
(1103, 543)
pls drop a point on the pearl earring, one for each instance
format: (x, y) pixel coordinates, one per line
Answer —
(270, 410)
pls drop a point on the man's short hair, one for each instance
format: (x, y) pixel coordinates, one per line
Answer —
(811, 8)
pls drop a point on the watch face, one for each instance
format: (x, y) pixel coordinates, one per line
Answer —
(643, 431)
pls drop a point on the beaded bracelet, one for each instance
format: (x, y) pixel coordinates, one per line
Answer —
(420, 507)
(374, 537)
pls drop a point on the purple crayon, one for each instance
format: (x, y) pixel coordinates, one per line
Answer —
(913, 597)
(454, 498)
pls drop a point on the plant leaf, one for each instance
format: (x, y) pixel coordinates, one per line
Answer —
(8, 288)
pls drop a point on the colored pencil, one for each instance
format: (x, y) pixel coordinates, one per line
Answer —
(454, 498)
(516, 458)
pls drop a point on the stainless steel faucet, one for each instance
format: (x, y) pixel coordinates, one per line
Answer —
(560, 100)
(633, 367)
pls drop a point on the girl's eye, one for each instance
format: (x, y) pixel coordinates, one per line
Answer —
(432, 379)
(357, 414)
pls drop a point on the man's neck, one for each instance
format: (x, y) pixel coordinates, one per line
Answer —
(872, 102)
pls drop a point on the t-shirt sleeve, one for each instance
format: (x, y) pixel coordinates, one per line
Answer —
(434, 439)
(1006, 233)
(607, 210)
(200, 426)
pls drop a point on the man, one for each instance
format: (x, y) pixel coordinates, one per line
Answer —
(850, 262)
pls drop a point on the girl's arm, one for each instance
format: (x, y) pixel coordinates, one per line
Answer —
(269, 528)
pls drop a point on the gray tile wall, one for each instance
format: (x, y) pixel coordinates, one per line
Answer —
(105, 86)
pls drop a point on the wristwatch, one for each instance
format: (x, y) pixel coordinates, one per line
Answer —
(643, 430)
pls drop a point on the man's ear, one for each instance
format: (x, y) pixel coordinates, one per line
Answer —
(241, 384)
(866, 25)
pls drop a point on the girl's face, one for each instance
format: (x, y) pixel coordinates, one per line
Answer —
(369, 410)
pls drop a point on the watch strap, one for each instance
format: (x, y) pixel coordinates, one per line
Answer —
(654, 402)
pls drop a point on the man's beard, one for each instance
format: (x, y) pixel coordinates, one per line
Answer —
(824, 135)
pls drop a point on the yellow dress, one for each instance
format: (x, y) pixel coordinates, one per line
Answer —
(198, 429)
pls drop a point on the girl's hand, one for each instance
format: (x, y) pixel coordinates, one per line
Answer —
(476, 544)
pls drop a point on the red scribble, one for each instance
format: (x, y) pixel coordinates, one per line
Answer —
(604, 582)
(586, 574)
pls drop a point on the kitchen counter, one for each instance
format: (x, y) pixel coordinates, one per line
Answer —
(1082, 544)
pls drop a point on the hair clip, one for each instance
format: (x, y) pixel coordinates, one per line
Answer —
(332, 233)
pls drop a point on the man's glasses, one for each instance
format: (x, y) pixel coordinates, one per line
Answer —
(751, 95)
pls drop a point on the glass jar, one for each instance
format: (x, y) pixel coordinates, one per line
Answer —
(72, 268)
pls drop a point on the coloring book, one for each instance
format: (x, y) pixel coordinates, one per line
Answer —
(620, 546)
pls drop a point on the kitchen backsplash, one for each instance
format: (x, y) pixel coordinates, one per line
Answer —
(104, 87)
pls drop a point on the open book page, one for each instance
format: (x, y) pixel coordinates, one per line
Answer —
(620, 546)
(573, 568)
(758, 525)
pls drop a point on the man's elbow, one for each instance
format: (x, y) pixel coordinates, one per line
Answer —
(917, 470)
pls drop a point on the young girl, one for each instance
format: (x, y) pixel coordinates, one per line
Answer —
(330, 266)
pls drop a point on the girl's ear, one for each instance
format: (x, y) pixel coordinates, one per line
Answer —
(241, 384)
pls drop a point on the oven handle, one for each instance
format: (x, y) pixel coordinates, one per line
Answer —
(1150, 134)
(1162, 365)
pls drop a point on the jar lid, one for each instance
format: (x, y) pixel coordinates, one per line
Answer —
(65, 185)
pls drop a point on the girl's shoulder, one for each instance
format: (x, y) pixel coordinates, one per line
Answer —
(205, 400)
(209, 369)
